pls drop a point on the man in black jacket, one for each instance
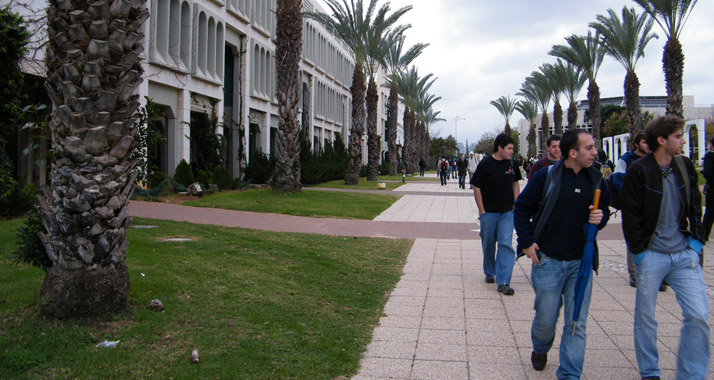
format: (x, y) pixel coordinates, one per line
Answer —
(549, 216)
(708, 173)
(661, 220)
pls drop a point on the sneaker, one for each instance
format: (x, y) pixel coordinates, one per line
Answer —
(633, 282)
(506, 290)
(538, 360)
(663, 287)
(490, 280)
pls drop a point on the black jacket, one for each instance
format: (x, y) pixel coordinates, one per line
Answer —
(642, 200)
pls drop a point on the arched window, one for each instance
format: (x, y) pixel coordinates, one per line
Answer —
(162, 29)
(202, 42)
(175, 31)
(211, 48)
(220, 51)
(185, 33)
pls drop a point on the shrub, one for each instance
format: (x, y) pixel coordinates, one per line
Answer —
(223, 178)
(29, 247)
(184, 174)
(260, 169)
(19, 200)
(327, 165)
(204, 178)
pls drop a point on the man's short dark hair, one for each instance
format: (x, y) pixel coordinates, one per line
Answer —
(637, 139)
(662, 126)
(551, 139)
(502, 141)
(570, 140)
(711, 141)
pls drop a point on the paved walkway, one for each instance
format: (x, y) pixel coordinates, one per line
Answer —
(442, 321)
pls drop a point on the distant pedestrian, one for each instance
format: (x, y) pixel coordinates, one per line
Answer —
(661, 220)
(422, 166)
(473, 163)
(462, 167)
(552, 147)
(443, 168)
(495, 186)
(452, 167)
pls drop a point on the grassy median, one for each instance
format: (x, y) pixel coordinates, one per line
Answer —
(256, 305)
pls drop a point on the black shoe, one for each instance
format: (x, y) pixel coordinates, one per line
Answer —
(490, 280)
(538, 360)
(651, 378)
(506, 290)
(663, 287)
(633, 282)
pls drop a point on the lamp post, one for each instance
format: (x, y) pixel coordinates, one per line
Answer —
(456, 131)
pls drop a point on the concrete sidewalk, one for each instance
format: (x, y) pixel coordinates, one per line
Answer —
(442, 321)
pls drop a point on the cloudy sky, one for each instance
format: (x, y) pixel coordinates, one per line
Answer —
(481, 50)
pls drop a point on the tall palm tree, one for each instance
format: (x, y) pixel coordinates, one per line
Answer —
(356, 26)
(505, 106)
(671, 15)
(625, 40)
(586, 53)
(430, 117)
(554, 76)
(574, 81)
(538, 93)
(288, 48)
(529, 110)
(93, 69)
(414, 92)
(397, 62)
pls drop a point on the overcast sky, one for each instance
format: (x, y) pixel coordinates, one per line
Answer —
(481, 50)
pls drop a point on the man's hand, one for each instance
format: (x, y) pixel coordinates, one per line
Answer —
(595, 216)
(531, 253)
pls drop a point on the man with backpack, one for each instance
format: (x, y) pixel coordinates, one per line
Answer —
(552, 147)
(550, 217)
(443, 168)
(640, 150)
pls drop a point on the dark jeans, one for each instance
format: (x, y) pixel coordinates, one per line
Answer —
(444, 175)
(708, 218)
(421, 172)
(462, 181)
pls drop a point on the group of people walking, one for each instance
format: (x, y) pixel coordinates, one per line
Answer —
(659, 197)
(461, 166)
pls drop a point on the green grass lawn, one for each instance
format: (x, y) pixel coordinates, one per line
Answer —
(363, 184)
(323, 204)
(256, 305)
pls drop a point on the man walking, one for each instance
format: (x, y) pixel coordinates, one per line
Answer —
(550, 215)
(462, 166)
(552, 148)
(661, 219)
(708, 173)
(495, 185)
(443, 168)
(640, 150)
(473, 163)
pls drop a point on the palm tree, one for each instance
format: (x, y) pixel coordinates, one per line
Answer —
(288, 48)
(414, 92)
(671, 15)
(397, 62)
(356, 27)
(554, 76)
(505, 106)
(625, 40)
(574, 81)
(529, 110)
(586, 53)
(93, 69)
(538, 93)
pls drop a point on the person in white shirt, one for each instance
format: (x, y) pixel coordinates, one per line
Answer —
(473, 163)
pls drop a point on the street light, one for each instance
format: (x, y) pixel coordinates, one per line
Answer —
(456, 131)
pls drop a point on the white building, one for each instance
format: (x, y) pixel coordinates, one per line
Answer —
(218, 57)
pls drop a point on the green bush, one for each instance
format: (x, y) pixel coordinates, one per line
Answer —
(327, 165)
(260, 169)
(184, 174)
(223, 178)
(18, 201)
(29, 247)
(155, 177)
(204, 178)
(384, 167)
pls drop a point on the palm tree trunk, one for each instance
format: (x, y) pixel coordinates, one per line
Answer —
(572, 116)
(406, 149)
(372, 134)
(673, 65)
(506, 129)
(392, 115)
(558, 118)
(288, 48)
(532, 140)
(355, 139)
(545, 130)
(594, 104)
(93, 70)
(632, 104)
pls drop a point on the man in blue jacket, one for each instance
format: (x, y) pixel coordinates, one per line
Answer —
(549, 217)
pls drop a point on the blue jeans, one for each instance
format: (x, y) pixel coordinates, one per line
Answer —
(462, 181)
(684, 275)
(497, 228)
(554, 284)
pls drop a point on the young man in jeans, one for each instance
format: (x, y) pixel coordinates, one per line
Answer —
(661, 219)
(550, 215)
(495, 185)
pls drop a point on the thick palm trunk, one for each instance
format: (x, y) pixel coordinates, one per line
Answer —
(506, 129)
(392, 115)
(288, 47)
(558, 118)
(93, 69)
(632, 104)
(594, 104)
(532, 140)
(357, 129)
(673, 65)
(572, 116)
(544, 130)
(372, 133)
(406, 149)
